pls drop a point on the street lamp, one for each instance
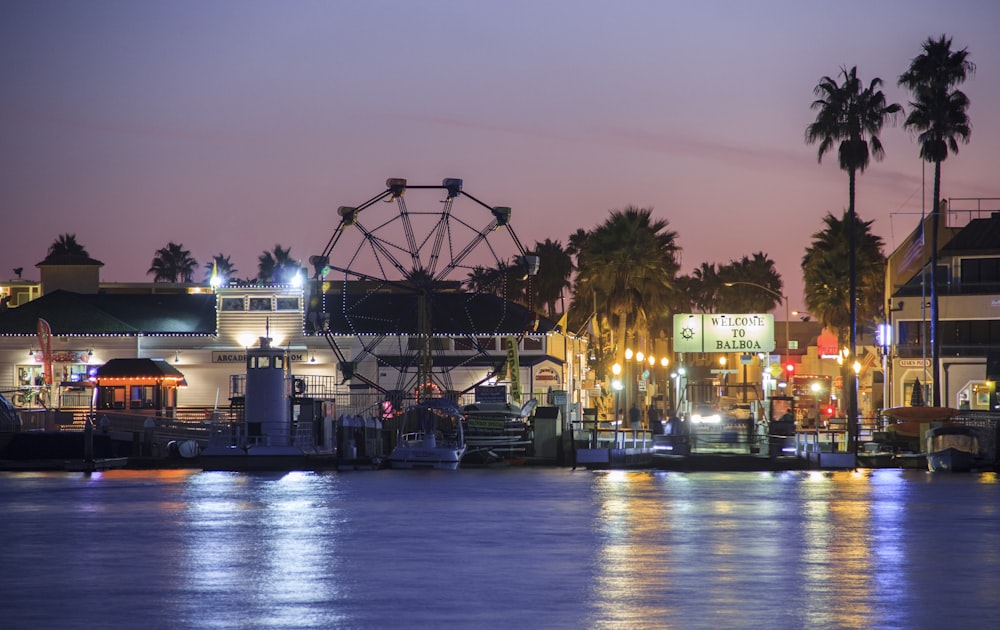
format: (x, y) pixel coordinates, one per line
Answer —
(780, 296)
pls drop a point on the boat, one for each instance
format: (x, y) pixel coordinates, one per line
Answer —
(277, 428)
(430, 436)
(951, 449)
(498, 429)
(920, 414)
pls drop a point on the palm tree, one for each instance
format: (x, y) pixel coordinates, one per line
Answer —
(277, 265)
(628, 264)
(221, 266)
(742, 297)
(851, 116)
(556, 269)
(172, 263)
(939, 117)
(66, 246)
(829, 289)
(825, 269)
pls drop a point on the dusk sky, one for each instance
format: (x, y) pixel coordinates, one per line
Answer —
(231, 125)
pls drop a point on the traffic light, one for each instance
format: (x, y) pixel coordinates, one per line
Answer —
(790, 370)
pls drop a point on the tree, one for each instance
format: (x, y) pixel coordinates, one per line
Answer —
(851, 117)
(627, 266)
(221, 266)
(939, 116)
(742, 296)
(825, 268)
(554, 273)
(828, 289)
(277, 265)
(172, 263)
(66, 246)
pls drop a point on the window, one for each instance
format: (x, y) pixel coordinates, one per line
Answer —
(142, 397)
(463, 344)
(531, 343)
(981, 275)
(232, 304)
(286, 304)
(436, 343)
(260, 304)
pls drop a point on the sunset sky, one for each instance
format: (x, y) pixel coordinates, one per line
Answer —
(233, 125)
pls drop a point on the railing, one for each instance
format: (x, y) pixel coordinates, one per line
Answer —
(593, 434)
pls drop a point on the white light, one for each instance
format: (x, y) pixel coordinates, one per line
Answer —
(709, 419)
(297, 279)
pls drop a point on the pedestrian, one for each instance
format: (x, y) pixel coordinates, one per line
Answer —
(635, 417)
(653, 419)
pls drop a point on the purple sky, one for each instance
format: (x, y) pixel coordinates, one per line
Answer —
(232, 125)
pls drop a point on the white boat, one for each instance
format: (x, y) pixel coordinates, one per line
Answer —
(430, 436)
(500, 428)
(953, 448)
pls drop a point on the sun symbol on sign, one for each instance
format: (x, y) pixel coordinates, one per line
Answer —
(687, 333)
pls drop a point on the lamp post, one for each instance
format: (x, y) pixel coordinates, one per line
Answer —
(780, 296)
(616, 384)
(815, 389)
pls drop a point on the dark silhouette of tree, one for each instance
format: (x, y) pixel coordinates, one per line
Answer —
(939, 116)
(554, 275)
(825, 266)
(745, 298)
(277, 265)
(222, 266)
(66, 246)
(628, 265)
(172, 263)
(850, 117)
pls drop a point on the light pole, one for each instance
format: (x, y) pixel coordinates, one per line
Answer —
(815, 389)
(780, 296)
(616, 384)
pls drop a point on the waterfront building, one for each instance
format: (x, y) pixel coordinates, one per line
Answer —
(204, 332)
(968, 288)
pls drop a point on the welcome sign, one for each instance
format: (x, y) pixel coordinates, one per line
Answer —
(721, 332)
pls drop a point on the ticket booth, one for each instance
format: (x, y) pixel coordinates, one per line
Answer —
(138, 386)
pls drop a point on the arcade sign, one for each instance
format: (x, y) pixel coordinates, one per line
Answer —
(721, 332)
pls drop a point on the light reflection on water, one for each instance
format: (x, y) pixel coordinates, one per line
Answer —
(534, 548)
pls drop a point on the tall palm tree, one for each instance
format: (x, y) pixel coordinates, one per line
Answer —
(939, 116)
(851, 116)
(65, 246)
(222, 266)
(172, 263)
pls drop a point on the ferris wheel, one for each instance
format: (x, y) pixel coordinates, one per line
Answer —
(420, 290)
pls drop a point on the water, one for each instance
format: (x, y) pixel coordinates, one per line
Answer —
(528, 548)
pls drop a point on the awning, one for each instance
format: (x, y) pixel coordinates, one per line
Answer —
(135, 369)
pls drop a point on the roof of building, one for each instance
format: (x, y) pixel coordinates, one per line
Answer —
(138, 368)
(78, 260)
(450, 314)
(979, 236)
(71, 313)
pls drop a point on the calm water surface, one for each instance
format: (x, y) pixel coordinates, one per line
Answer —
(530, 548)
